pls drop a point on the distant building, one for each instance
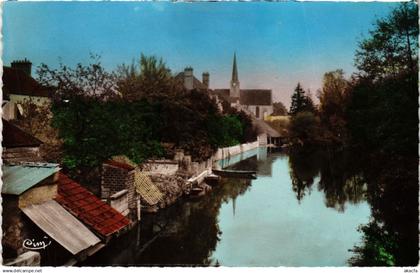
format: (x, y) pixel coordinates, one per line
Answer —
(189, 81)
(257, 101)
(18, 86)
(19, 146)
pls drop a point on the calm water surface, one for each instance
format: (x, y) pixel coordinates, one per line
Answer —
(288, 216)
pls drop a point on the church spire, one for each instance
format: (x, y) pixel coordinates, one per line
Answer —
(235, 69)
(234, 83)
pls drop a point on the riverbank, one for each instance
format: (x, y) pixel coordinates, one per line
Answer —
(183, 177)
(215, 230)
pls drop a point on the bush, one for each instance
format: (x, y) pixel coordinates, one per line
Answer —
(304, 128)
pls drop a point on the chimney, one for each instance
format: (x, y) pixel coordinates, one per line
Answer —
(188, 78)
(24, 65)
(206, 79)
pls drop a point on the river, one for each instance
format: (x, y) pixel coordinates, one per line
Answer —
(288, 216)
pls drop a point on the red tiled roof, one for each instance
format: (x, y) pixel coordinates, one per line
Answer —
(120, 165)
(14, 137)
(88, 208)
(15, 81)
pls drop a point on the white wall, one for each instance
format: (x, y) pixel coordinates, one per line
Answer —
(223, 153)
(167, 167)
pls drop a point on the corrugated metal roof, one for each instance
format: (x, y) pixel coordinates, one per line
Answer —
(19, 178)
(60, 225)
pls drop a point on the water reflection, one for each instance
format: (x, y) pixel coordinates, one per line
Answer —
(278, 219)
(341, 179)
(184, 234)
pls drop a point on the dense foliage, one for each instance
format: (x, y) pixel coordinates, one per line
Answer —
(382, 117)
(279, 109)
(133, 112)
(333, 98)
(304, 128)
(374, 115)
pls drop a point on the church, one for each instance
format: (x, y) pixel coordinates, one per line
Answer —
(259, 102)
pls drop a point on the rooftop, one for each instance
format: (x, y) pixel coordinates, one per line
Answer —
(197, 84)
(122, 165)
(19, 178)
(16, 81)
(60, 225)
(14, 137)
(255, 97)
(88, 208)
(248, 96)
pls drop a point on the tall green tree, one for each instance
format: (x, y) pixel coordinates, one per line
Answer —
(392, 46)
(382, 117)
(148, 78)
(333, 99)
(301, 101)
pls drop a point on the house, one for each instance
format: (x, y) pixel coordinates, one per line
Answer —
(259, 102)
(18, 86)
(41, 205)
(31, 213)
(19, 146)
(189, 81)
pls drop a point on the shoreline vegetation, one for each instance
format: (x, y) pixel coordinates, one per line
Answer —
(140, 111)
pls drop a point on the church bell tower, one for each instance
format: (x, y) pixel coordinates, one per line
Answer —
(234, 83)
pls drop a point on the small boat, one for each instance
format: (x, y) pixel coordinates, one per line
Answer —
(212, 179)
(197, 192)
(236, 173)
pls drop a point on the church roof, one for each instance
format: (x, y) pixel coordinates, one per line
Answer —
(197, 84)
(223, 94)
(255, 97)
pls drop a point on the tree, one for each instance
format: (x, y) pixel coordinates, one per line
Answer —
(149, 78)
(382, 120)
(36, 121)
(304, 128)
(301, 101)
(333, 99)
(392, 46)
(279, 109)
(298, 100)
(82, 81)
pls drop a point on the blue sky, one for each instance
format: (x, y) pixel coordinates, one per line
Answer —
(277, 44)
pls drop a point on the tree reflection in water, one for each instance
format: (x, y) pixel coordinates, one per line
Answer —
(339, 178)
(189, 232)
(390, 185)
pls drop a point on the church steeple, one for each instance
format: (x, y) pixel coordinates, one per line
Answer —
(234, 83)
(234, 70)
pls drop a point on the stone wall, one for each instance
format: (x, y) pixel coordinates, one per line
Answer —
(14, 226)
(21, 154)
(168, 167)
(171, 186)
